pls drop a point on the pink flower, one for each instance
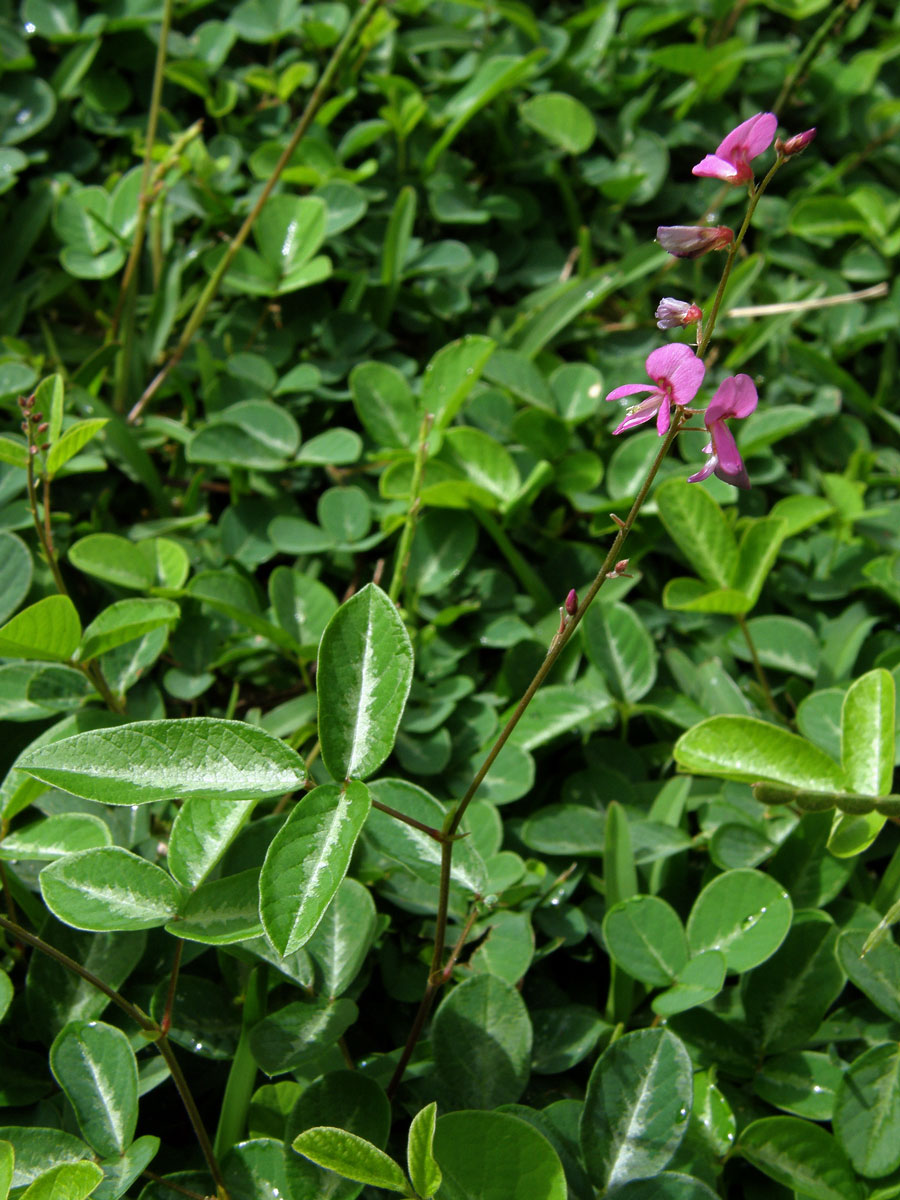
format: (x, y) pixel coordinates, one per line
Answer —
(673, 313)
(736, 397)
(677, 373)
(731, 161)
(690, 241)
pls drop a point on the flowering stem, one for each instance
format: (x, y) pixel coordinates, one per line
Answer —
(812, 48)
(437, 975)
(755, 195)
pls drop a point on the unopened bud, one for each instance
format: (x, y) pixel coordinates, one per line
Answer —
(32, 450)
(794, 144)
(621, 566)
(43, 427)
(46, 446)
(28, 402)
(690, 241)
(572, 603)
(671, 313)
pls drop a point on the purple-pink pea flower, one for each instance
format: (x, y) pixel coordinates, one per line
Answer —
(736, 397)
(671, 313)
(676, 372)
(690, 241)
(731, 161)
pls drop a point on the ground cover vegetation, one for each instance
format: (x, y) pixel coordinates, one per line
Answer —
(449, 569)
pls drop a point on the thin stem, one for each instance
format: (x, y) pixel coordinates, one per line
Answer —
(709, 324)
(392, 812)
(757, 665)
(811, 49)
(456, 814)
(187, 1099)
(215, 281)
(814, 302)
(166, 1022)
(125, 302)
(404, 547)
(460, 942)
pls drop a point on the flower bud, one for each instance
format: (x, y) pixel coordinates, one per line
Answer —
(621, 566)
(794, 144)
(690, 241)
(43, 427)
(572, 603)
(671, 313)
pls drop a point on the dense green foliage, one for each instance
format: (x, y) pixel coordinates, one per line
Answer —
(282, 548)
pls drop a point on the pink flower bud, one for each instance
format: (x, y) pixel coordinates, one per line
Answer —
(572, 603)
(621, 566)
(690, 241)
(794, 144)
(672, 313)
(43, 427)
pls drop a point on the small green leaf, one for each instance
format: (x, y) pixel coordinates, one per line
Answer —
(697, 525)
(95, 1066)
(385, 404)
(482, 1043)
(109, 889)
(156, 760)
(752, 751)
(636, 1108)
(220, 912)
(743, 913)
(620, 647)
(867, 1111)
(202, 831)
(867, 734)
(561, 119)
(645, 936)
(14, 454)
(699, 980)
(7, 1159)
(363, 679)
(307, 860)
(424, 1172)
(803, 1083)
(495, 1156)
(52, 837)
(125, 621)
(350, 1156)
(115, 559)
(48, 630)
(343, 937)
(299, 1031)
(876, 972)
(68, 1181)
(74, 439)
(757, 552)
(450, 376)
(801, 1156)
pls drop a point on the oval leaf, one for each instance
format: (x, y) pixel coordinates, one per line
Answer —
(363, 680)
(95, 1066)
(109, 889)
(351, 1156)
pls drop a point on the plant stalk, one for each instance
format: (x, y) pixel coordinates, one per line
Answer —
(404, 547)
(215, 281)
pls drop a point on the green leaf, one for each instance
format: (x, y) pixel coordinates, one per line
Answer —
(697, 525)
(699, 980)
(495, 1156)
(37, 1149)
(786, 998)
(74, 439)
(6, 1168)
(48, 631)
(109, 889)
(299, 1031)
(289, 230)
(115, 559)
(867, 1111)
(803, 1083)
(693, 595)
(385, 404)
(646, 938)
(202, 831)
(867, 734)
(752, 751)
(125, 621)
(221, 911)
(481, 1036)
(851, 834)
(636, 1108)
(444, 543)
(307, 860)
(15, 454)
(876, 973)
(303, 606)
(424, 1172)
(343, 937)
(450, 376)
(156, 760)
(743, 913)
(561, 119)
(801, 1156)
(52, 837)
(265, 1168)
(780, 642)
(68, 1181)
(618, 644)
(363, 679)
(757, 552)
(95, 1066)
(15, 573)
(350, 1156)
